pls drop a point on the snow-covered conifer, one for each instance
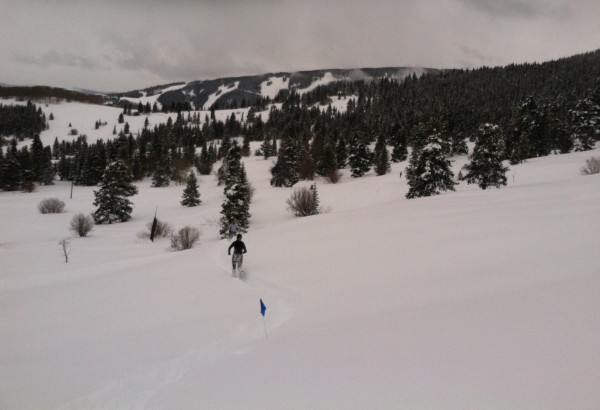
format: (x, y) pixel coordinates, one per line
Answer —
(191, 195)
(429, 170)
(485, 167)
(111, 198)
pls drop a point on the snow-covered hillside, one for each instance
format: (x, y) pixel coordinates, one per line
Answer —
(241, 91)
(469, 300)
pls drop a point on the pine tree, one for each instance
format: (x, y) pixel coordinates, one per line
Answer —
(285, 170)
(11, 173)
(2, 162)
(246, 146)
(48, 168)
(111, 198)
(485, 167)
(341, 152)
(162, 176)
(236, 205)
(527, 137)
(359, 159)
(38, 159)
(191, 196)
(327, 165)
(429, 170)
(585, 123)
(382, 156)
(306, 165)
(315, 199)
(267, 147)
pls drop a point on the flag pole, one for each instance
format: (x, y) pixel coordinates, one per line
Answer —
(265, 323)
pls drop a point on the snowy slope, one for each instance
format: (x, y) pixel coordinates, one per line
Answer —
(472, 299)
(246, 89)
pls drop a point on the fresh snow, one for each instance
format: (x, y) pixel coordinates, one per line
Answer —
(223, 89)
(471, 299)
(326, 79)
(271, 87)
(154, 97)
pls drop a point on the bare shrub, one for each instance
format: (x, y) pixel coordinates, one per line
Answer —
(51, 206)
(163, 230)
(592, 166)
(185, 238)
(304, 202)
(64, 244)
(179, 174)
(334, 176)
(82, 224)
(28, 186)
(204, 168)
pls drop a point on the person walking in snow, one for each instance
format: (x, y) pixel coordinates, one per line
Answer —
(239, 249)
(233, 229)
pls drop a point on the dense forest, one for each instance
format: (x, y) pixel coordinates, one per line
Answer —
(533, 109)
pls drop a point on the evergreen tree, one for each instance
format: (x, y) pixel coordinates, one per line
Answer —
(137, 169)
(585, 124)
(315, 199)
(485, 167)
(399, 147)
(429, 170)
(111, 198)
(2, 161)
(191, 196)
(162, 176)
(11, 173)
(359, 159)
(306, 165)
(11, 168)
(341, 153)
(246, 146)
(236, 205)
(327, 165)
(38, 159)
(285, 170)
(527, 137)
(205, 162)
(48, 168)
(382, 156)
(267, 147)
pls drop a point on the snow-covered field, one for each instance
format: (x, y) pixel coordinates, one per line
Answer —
(469, 300)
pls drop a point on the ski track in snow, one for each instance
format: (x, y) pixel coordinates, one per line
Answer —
(147, 383)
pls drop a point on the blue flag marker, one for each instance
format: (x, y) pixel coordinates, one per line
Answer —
(263, 308)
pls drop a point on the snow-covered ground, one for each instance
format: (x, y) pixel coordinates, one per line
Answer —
(469, 300)
(273, 85)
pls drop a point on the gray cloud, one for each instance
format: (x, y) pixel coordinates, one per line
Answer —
(60, 59)
(116, 46)
(509, 8)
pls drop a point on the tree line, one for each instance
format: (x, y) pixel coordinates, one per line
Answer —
(515, 112)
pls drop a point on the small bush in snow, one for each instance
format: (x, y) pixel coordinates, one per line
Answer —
(592, 166)
(333, 176)
(185, 238)
(51, 206)
(304, 201)
(163, 230)
(82, 224)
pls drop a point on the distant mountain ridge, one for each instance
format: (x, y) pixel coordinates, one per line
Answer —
(245, 90)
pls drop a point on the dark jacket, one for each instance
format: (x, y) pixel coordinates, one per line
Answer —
(239, 247)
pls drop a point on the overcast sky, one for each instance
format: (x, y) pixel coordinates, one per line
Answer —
(110, 45)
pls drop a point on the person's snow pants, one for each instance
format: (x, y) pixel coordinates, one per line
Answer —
(236, 260)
